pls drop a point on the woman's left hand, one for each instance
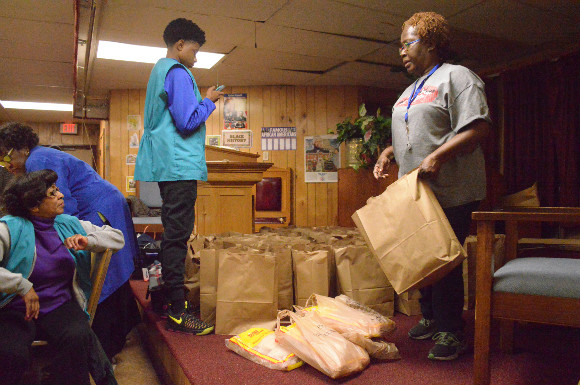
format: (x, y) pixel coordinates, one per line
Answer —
(429, 168)
(76, 242)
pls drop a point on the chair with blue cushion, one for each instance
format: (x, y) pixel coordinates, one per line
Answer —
(524, 288)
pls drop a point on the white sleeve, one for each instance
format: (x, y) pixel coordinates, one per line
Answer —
(102, 238)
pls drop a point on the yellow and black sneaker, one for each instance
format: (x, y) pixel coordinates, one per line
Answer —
(185, 322)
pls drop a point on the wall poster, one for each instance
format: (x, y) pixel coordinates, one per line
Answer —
(321, 159)
(278, 138)
(235, 111)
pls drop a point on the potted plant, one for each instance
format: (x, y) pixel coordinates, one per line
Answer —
(364, 137)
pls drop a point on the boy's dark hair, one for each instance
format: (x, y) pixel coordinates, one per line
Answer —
(183, 29)
(18, 136)
(26, 192)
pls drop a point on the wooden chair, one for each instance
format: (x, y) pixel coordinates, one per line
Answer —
(98, 275)
(498, 295)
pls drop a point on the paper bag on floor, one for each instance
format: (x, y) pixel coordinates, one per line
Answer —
(247, 294)
(208, 275)
(408, 232)
(311, 274)
(360, 277)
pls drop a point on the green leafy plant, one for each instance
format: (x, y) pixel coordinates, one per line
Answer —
(375, 131)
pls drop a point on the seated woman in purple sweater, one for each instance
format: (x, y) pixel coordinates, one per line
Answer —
(45, 282)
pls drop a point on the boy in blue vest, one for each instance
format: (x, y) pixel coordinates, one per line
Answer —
(172, 153)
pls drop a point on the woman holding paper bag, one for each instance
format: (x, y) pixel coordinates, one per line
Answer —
(438, 123)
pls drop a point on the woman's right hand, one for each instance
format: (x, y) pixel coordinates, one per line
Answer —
(383, 163)
(32, 304)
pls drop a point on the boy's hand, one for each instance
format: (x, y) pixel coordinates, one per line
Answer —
(76, 242)
(212, 94)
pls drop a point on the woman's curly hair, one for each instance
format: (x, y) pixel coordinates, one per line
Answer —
(18, 136)
(26, 192)
(432, 28)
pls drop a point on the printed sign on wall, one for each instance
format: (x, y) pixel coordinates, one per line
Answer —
(278, 138)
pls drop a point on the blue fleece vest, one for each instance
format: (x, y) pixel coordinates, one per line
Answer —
(165, 154)
(22, 255)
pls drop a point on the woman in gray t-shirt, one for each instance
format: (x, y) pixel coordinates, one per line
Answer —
(438, 123)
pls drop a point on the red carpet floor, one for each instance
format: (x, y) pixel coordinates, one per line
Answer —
(544, 356)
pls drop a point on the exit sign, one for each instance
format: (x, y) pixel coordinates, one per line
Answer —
(68, 128)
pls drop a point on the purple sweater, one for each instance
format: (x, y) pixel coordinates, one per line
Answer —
(53, 271)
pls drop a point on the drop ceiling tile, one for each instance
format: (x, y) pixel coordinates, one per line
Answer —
(338, 18)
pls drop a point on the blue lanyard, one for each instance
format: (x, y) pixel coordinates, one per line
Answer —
(415, 94)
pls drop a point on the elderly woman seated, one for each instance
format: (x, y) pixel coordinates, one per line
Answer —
(45, 282)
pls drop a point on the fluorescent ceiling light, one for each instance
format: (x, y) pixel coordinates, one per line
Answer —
(144, 54)
(36, 106)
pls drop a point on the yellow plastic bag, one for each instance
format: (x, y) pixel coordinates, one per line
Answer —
(259, 345)
(321, 347)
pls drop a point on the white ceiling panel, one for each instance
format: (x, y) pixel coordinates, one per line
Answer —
(55, 11)
(57, 43)
(364, 74)
(290, 40)
(406, 9)
(254, 10)
(339, 18)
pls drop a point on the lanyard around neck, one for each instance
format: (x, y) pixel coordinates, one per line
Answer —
(414, 94)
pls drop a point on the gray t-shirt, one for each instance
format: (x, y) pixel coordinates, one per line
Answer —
(451, 98)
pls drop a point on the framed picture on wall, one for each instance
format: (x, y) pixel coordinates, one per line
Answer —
(213, 140)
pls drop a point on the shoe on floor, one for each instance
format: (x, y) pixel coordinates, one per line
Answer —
(448, 346)
(186, 322)
(423, 330)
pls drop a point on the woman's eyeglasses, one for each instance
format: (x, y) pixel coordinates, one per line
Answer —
(407, 45)
(53, 193)
(6, 159)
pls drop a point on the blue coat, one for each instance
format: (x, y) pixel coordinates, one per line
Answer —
(85, 194)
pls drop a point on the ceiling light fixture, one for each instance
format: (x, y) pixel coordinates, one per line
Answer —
(143, 54)
(36, 106)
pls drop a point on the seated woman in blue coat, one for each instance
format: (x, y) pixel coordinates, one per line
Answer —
(45, 283)
(88, 197)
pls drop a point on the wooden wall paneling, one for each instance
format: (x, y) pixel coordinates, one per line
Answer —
(134, 108)
(276, 118)
(115, 138)
(101, 164)
(123, 144)
(310, 131)
(267, 115)
(335, 111)
(256, 118)
(300, 192)
(320, 95)
(291, 122)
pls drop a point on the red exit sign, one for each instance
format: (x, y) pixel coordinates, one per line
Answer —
(68, 128)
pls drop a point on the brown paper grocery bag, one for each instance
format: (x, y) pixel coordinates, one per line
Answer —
(208, 275)
(285, 278)
(311, 274)
(247, 294)
(360, 277)
(408, 232)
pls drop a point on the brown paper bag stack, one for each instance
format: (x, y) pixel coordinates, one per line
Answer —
(408, 302)
(247, 293)
(311, 274)
(408, 232)
(360, 277)
(208, 276)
